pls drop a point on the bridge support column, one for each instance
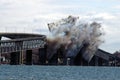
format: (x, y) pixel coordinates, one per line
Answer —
(29, 57)
(21, 57)
(42, 56)
(15, 58)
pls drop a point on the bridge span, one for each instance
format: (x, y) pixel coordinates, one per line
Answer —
(20, 42)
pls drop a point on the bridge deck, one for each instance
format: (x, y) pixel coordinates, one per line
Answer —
(19, 35)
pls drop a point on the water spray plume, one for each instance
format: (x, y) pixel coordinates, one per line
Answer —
(74, 34)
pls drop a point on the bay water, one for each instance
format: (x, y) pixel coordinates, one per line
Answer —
(37, 72)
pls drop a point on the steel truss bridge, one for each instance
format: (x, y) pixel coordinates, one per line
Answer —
(19, 42)
(15, 45)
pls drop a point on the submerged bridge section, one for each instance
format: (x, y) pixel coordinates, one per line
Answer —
(20, 42)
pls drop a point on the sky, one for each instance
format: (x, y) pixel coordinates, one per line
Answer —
(32, 16)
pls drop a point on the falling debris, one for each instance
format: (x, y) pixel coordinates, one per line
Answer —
(72, 33)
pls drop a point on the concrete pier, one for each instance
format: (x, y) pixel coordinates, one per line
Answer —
(42, 56)
(21, 57)
(28, 57)
(14, 58)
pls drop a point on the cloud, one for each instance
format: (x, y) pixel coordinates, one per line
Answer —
(105, 16)
(111, 38)
(117, 7)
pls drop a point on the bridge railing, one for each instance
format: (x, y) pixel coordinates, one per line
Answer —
(14, 45)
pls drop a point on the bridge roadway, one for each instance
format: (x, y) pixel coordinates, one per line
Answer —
(22, 42)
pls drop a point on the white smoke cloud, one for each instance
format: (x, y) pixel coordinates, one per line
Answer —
(73, 34)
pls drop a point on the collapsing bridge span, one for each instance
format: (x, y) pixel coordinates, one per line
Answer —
(25, 43)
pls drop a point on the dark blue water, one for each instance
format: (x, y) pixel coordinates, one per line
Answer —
(8, 72)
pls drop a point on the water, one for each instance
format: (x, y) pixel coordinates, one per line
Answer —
(23, 72)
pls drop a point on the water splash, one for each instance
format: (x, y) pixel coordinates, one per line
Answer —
(73, 33)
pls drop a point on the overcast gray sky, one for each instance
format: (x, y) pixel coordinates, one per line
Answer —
(32, 16)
